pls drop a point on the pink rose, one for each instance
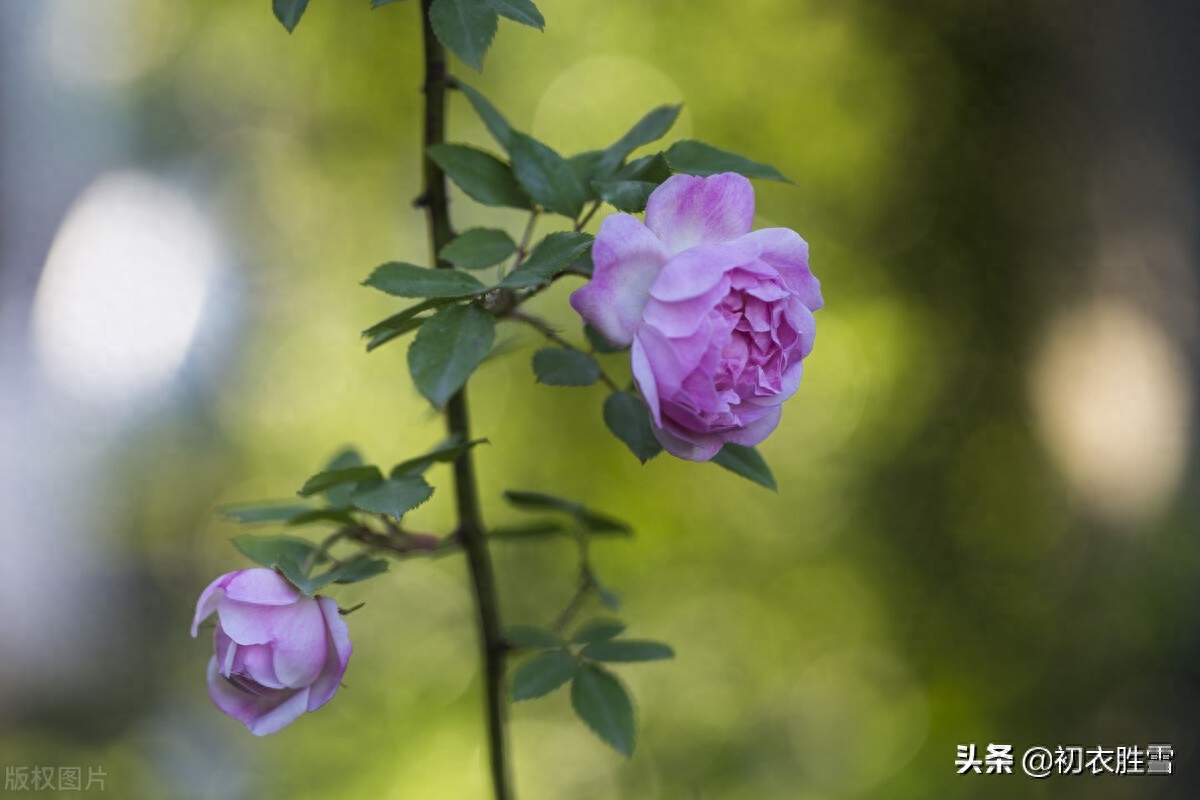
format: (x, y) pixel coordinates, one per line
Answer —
(720, 319)
(279, 653)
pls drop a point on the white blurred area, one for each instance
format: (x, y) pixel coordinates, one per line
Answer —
(107, 281)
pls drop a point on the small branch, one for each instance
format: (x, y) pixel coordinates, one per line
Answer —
(587, 583)
(310, 560)
(526, 237)
(546, 329)
(582, 223)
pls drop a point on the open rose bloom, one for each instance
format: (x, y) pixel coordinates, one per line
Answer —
(719, 318)
(278, 654)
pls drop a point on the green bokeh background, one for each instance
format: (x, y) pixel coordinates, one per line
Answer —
(927, 576)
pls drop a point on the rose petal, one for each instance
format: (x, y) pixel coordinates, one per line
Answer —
(627, 258)
(207, 603)
(261, 713)
(261, 586)
(695, 272)
(697, 447)
(783, 249)
(643, 376)
(337, 656)
(687, 210)
(298, 636)
(282, 715)
(756, 431)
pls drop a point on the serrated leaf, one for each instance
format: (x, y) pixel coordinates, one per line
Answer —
(585, 166)
(652, 169)
(449, 450)
(603, 703)
(558, 366)
(338, 477)
(259, 513)
(323, 515)
(522, 11)
(268, 550)
(391, 334)
(495, 122)
(338, 495)
(485, 178)
(479, 248)
(598, 342)
(583, 265)
(409, 280)
(747, 462)
(465, 27)
(627, 651)
(291, 569)
(542, 674)
(598, 630)
(399, 324)
(551, 256)
(629, 420)
(289, 12)
(528, 637)
(546, 176)
(358, 569)
(447, 350)
(628, 196)
(532, 530)
(537, 501)
(649, 128)
(394, 496)
(697, 158)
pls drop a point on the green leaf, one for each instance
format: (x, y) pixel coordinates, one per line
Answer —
(338, 477)
(598, 630)
(399, 324)
(479, 248)
(603, 704)
(289, 12)
(268, 550)
(380, 3)
(628, 196)
(496, 124)
(257, 513)
(698, 158)
(447, 350)
(585, 166)
(583, 265)
(527, 637)
(358, 569)
(558, 366)
(551, 256)
(323, 515)
(607, 596)
(747, 462)
(546, 176)
(394, 497)
(338, 495)
(629, 420)
(485, 178)
(449, 450)
(652, 169)
(385, 336)
(409, 280)
(649, 128)
(533, 530)
(522, 11)
(597, 523)
(627, 651)
(536, 501)
(465, 27)
(542, 674)
(598, 342)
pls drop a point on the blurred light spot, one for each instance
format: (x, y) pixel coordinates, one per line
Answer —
(123, 290)
(592, 103)
(108, 44)
(1113, 402)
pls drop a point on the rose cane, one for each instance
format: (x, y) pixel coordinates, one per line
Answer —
(719, 318)
(278, 654)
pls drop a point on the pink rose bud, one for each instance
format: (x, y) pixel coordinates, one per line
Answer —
(278, 652)
(720, 319)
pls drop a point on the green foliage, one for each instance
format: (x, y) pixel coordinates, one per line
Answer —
(478, 248)
(697, 158)
(551, 256)
(649, 128)
(289, 12)
(394, 496)
(260, 513)
(358, 569)
(603, 703)
(409, 280)
(447, 350)
(747, 462)
(522, 11)
(598, 630)
(599, 343)
(270, 550)
(339, 477)
(546, 176)
(448, 450)
(485, 178)
(321, 515)
(558, 366)
(528, 637)
(626, 650)
(542, 674)
(465, 27)
(651, 169)
(495, 122)
(628, 196)
(399, 324)
(627, 417)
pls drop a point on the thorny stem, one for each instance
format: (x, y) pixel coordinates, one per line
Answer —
(470, 524)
